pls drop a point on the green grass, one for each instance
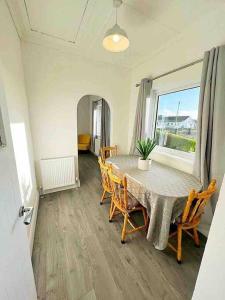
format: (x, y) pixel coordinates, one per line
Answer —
(178, 142)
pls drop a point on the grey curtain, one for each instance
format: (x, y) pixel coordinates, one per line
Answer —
(139, 123)
(105, 124)
(210, 148)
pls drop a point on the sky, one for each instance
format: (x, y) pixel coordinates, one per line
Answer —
(189, 100)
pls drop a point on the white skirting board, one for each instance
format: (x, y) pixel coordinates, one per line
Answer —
(58, 174)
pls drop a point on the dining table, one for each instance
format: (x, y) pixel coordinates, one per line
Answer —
(162, 190)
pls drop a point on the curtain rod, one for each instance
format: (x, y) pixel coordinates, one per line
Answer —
(175, 70)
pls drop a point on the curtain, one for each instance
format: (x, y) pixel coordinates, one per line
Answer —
(139, 123)
(105, 124)
(210, 148)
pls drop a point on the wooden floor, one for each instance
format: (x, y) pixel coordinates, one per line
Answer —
(78, 255)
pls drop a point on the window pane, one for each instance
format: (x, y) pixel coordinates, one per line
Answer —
(97, 120)
(147, 117)
(98, 125)
(94, 123)
(176, 125)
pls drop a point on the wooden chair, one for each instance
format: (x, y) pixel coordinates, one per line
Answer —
(191, 217)
(124, 203)
(106, 152)
(104, 168)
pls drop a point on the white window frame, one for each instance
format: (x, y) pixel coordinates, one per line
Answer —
(178, 154)
(95, 120)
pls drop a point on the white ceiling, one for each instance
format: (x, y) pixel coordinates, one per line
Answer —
(152, 25)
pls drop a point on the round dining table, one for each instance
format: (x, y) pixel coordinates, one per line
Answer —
(162, 190)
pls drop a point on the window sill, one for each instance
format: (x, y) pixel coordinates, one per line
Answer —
(186, 156)
(177, 159)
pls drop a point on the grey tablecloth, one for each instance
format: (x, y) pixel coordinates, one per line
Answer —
(162, 190)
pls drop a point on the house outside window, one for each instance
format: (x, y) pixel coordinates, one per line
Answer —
(176, 120)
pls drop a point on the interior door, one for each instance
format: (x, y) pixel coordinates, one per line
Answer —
(16, 274)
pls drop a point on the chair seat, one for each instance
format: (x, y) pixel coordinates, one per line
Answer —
(132, 202)
(84, 139)
(83, 146)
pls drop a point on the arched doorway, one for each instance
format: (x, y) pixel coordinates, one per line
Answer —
(93, 124)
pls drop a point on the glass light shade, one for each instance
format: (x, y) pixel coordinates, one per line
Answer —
(116, 39)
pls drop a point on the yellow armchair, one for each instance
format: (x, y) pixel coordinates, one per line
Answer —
(84, 142)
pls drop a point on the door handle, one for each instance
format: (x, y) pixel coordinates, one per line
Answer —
(27, 212)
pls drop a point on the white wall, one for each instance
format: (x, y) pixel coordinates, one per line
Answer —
(210, 281)
(55, 82)
(11, 71)
(83, 116)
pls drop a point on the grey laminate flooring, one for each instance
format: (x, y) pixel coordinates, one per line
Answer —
(77, 253)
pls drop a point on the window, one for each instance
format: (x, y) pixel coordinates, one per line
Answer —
(97, 119)
(176, 122)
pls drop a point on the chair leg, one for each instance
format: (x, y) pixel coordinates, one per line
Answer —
(123, 236)
(112, 211)
(179, 244)
(103, 196)
(145, 216)
(196, 237)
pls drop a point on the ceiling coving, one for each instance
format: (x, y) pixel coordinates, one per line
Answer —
(155, 27)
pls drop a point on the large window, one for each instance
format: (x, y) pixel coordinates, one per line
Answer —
(176, 122)
(97, 119)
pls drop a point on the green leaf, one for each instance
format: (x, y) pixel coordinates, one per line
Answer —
(145, 147)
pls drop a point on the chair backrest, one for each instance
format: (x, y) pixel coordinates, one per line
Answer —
(109, 151)
(119, 190)
(196, 203)
(104, 168)
(84, 139)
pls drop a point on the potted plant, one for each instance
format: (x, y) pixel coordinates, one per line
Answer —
(145, 147)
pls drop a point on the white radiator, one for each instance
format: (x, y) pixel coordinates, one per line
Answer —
(57, 173)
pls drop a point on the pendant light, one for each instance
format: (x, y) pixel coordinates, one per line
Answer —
(116, 39)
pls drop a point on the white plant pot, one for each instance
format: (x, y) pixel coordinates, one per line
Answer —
(143, 164)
